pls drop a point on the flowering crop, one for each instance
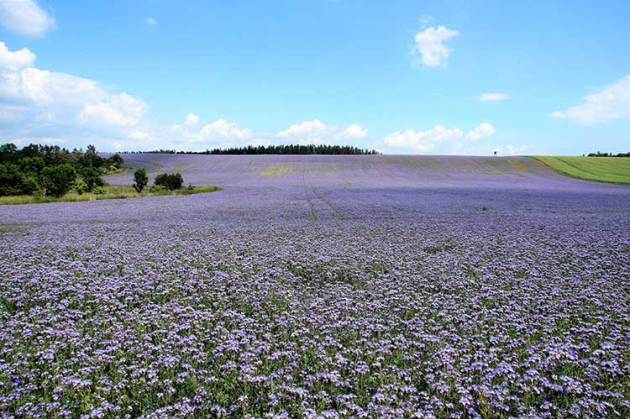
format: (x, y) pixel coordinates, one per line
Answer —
(330, 290)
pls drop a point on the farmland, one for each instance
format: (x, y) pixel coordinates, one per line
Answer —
(601, 169)
(322, 287)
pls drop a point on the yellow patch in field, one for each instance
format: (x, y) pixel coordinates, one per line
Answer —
(519, 165)
(273, 171)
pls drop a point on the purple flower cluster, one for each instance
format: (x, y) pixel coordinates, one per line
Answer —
(327, 291)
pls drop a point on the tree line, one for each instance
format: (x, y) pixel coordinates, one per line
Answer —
(47, 170)
(274, 149)
(600, 154)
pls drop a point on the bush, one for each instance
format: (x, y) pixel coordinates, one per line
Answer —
(80, 187)
(92, 178)
(140, 179)
(99, 190)
(58, 180)
(158, 189)
(170, 181)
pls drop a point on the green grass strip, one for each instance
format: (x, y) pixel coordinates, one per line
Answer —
(113, 192)
(599, 169)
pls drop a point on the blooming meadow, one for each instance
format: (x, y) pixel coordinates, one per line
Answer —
(337, 287)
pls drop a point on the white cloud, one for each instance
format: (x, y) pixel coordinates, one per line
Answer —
(611, 103)
(220, 133)
(139, 135)
(191, 122)
(422, 141)
(222, 129)
(310, 131)
(353, 131)
(316, 132)
(25, 17)
(151, 21)
(493, 97)
(38, 104)
(429, 43)
(482, 131)
(425, 20)
(510, 150)
(118, 110)
(438, 140)
(15, 60)
(485, 149)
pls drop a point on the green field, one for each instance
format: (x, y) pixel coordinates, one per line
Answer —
(600, 169)
(113, 192)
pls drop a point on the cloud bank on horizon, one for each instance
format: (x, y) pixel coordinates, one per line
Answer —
(57, 107)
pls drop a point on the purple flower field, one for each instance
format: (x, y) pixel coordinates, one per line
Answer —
(322, 287)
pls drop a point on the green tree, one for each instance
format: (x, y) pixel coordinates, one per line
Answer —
(58, 180)
(140, 179)
(32, 165)
(92, 178)
(170, 181)
(8, 152)
(91, 157)
(115, 161)
(15, 182)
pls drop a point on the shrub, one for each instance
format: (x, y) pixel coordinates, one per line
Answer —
(170, 181)
(140, 179)
(99, 190)
(80, 187)
(158, 189)
(92, 178)
(58, 180)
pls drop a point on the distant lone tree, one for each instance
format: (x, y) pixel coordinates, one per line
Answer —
(140, 179)
(171, 181)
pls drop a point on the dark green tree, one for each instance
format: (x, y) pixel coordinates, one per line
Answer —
(140, 179)
(91, 157)
(115, 161)
(15, 182)
(31, 165)
(92, 178)
(169, 181)
(58, 180)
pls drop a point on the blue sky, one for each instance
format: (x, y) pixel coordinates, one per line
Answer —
(434, 77)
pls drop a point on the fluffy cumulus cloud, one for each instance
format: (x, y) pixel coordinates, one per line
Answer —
(15, 60)
(482, 131)
(120, 110)
(422, 141)
(191, 135)
(316, 132)
(430, 45)
(611, 103)
(492, 97)
(438, 139)
(25, 18)
(37, 104)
